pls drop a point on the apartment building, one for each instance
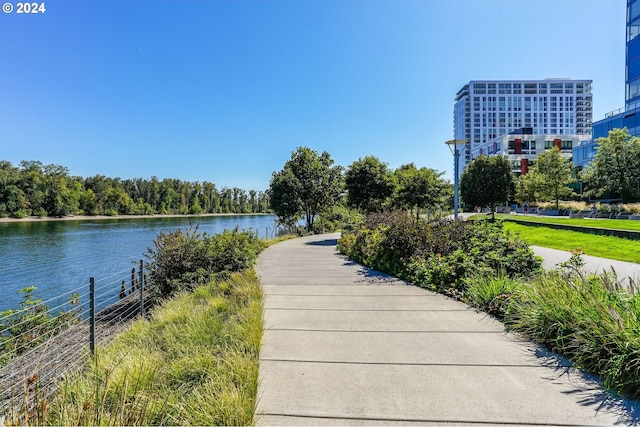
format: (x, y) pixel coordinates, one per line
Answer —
(488, 109)
(522, 147)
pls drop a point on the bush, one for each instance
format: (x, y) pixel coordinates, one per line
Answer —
(442, 256)
(337, 218)
(182, 260)
(492, 294)
(33, 324)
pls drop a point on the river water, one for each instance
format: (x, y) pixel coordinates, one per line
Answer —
(60, 256)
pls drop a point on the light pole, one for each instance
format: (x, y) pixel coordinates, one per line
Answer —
(456, 155)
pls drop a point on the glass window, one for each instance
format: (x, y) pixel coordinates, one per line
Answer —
(629, 121)
(633, 89)
(632, 32)
(634, 11)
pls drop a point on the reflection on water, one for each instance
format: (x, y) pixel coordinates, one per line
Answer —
(58, 256)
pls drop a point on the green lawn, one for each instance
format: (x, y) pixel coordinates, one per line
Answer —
(601, 246)
(613, 224)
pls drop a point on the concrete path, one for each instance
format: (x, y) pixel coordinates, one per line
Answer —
(344, 345)
(624, 270)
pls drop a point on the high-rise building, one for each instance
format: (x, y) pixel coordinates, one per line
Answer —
(487, 109)
(521, 147)
(623, 117)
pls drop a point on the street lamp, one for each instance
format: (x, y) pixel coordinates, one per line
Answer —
(456, 155)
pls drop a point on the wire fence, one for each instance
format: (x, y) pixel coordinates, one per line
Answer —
(44, 340)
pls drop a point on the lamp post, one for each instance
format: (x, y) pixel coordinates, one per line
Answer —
(456, 155)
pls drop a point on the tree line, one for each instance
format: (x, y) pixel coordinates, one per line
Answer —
(35, 189)
(310, 185)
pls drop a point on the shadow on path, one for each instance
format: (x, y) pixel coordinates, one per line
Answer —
(326, 242)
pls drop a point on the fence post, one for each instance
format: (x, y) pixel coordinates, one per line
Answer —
(141, 272)
(92, 314)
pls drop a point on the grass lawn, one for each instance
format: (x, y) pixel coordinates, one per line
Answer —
(613, 224)
(600, 246)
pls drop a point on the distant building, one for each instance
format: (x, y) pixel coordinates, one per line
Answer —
(522, 147)
(623, 117)
(488, 109)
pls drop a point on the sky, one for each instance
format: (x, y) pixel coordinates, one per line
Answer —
(225, 90)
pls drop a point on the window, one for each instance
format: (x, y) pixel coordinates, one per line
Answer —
(633, 89)
(632, 32)
(556, 87)
(634, 11)
(542, 88)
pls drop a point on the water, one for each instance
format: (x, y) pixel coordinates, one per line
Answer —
(60, 256)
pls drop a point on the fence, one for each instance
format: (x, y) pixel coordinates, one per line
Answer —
(44, 340)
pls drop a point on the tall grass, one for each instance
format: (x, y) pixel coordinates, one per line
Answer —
(565, 205)
(492, 294)
(194, 362)
(591, 320)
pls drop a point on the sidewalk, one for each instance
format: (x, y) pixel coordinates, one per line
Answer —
(624, 270)
(344, 345)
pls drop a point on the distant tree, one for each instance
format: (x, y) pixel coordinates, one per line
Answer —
(13, 201)
(616, 165)
(418, 188)
(41, 190)
(58, 197)
(487, 181)
(556, 172)
(369, 183)
(306, 185)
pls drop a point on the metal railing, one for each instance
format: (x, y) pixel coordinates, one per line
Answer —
(44, 340)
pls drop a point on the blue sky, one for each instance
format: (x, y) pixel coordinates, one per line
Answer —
(225, 90)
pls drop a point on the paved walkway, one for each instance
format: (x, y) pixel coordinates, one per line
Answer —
(344, 345)
(624, 270)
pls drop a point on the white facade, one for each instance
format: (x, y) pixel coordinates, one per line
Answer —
(522, 149)
(487, 109)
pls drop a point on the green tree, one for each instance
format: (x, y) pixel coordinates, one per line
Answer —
(487, 181)
(529, 187)
(369, 183)
(59, 199)
(616, 165)
(13, 201)
(32, 184)
(556, 172)
(306, 185)
(418, 188)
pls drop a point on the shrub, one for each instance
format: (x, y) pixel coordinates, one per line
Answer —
(442, 256)
(633, 208)
(338, 218)
(183, 259)
(492, 294)
(33, 324)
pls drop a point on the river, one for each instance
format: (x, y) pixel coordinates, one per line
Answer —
(60, 256)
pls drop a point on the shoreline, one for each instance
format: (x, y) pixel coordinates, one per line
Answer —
(101, 217)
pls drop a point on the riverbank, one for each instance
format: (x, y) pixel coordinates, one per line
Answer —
(96, 217)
